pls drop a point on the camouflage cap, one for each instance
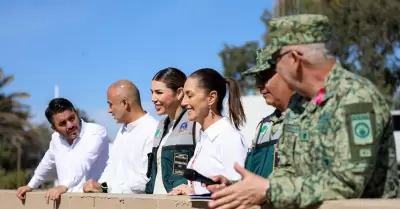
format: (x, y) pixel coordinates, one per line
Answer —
(263, 62)
(297, 29)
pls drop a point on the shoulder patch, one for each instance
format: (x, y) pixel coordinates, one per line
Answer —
(361, 128)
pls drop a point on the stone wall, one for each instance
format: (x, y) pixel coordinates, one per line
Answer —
(35, 200)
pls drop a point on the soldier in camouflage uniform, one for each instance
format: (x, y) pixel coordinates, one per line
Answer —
(337, 140)
(263, 157)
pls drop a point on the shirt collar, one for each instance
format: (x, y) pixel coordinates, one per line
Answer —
(83, 126)
(130, 126)
(277, 115)
(330, 84)
(215, 128)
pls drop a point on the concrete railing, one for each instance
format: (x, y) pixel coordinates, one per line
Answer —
(35, 200)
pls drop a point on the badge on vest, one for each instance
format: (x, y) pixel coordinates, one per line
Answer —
(183, 127)
(180, 163)
(157, 132)
(263, 129)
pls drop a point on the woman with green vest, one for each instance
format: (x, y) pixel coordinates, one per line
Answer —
(175, 138)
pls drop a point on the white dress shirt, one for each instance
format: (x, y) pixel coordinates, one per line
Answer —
(219, 146)
(74, 164)
(127, 166)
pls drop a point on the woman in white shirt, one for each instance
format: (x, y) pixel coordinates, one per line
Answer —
(221, 144)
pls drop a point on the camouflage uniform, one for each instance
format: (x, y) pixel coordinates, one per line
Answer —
(340, 147)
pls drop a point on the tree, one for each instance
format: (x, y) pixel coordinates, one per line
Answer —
(13, 122)
(237, 59)
(13, 134)
(365, 36)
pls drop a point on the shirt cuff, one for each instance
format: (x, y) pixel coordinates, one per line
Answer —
(34, 182)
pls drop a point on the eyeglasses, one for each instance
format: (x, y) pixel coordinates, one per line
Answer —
(264, 76)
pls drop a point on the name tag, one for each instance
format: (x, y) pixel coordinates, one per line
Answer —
(180, 163)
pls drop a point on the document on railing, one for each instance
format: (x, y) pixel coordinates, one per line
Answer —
(200, 196)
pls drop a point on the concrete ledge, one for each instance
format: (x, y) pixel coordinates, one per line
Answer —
(35, 200)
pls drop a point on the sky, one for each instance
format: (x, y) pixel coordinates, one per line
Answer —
(84, 46)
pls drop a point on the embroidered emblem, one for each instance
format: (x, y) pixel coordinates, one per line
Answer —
(183, 127)
(158, 132)
(361, 127)
(304, 135)
(365, 152)
(264, 128)
(180, 163)
(326, 161)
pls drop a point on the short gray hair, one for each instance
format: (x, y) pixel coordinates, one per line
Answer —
(316, 53)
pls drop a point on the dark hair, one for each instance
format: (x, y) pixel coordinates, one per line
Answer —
(57, 105)
(211, 80)
(172, 77)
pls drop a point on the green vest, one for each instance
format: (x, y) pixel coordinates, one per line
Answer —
(263, 158)
(175, 154)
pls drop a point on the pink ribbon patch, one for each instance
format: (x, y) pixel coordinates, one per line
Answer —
(318, 98)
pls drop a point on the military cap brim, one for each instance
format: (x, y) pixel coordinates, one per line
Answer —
(256, 69)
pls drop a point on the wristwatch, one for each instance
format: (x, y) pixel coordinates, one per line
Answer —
(104, 187)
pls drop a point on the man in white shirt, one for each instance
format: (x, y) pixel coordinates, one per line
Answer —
(127, 166)
(78, 151)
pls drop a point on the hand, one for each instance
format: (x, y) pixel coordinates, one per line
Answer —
(55, 193)
(92, 186)
(182, 189)
(22, 190)
(223, 182)
(248, 192)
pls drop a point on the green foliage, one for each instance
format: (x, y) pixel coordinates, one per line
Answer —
(366, 35)
(14, 179)
(236, 60)
(22, 145)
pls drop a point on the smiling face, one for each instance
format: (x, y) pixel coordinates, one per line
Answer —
(67, 124)
(164, 98)
(196, 100)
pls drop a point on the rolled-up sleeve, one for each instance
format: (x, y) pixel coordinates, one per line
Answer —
(80, 164)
